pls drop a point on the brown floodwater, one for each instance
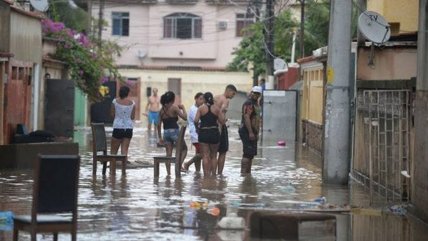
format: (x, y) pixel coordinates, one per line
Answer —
(138, 207)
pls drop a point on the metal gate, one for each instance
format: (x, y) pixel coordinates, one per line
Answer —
(59, 111)
(279, 116)
(382, 143)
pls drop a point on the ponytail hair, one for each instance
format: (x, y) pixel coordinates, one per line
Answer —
(209, 98)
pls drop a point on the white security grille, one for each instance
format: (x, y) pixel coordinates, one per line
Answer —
(384, 132)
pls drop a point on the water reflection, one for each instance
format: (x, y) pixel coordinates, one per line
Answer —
(138, 207)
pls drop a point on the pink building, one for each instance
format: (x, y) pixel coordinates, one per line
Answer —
(175, 33)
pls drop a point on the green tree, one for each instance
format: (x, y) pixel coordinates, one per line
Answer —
(89, 66)
(317, 20)
(73, 17)
(250, 51)
(252, 47)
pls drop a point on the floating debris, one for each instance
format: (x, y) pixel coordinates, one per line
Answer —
(231, 222)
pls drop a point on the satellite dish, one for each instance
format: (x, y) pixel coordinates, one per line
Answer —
(279, 64)
(40, 5)
(374, 27)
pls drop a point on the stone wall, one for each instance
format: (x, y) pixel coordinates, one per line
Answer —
(313, 136)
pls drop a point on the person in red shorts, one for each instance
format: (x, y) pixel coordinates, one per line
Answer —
(199, 100)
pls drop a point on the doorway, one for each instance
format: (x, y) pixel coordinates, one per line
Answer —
(174, 85)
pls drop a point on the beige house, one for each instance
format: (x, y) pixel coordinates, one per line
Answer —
(20, 70)
(183, 46)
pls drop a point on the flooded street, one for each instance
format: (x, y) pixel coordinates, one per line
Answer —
(139, 207)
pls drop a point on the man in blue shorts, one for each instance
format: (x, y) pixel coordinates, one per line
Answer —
(152, 110)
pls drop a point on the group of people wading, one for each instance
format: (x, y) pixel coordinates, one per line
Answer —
(206, 123)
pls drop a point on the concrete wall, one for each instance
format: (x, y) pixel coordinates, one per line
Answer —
(23, 156)
(388, 64)
(404, 12)
(288, 79)
(4, 26)
(191, 82)
(26, 37)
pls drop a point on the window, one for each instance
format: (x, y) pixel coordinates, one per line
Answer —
(120, 23)
(242, 21)
(182, 26)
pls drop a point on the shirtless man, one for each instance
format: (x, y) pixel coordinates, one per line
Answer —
(152, 110)
(222, 101)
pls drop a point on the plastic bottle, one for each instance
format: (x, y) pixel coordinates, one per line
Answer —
(320, 200)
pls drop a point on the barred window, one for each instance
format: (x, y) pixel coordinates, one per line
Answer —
(243, 20)
(182, 26)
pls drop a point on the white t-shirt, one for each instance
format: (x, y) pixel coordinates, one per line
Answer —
(122, 116)
(191, 124)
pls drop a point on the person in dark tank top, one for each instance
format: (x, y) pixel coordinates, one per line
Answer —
(207, 120)
(169, 115)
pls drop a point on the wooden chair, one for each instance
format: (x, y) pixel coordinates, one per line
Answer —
(55, 189)
(99, 151)
(180, 146)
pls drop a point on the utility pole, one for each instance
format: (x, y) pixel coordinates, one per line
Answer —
(100, 23)
(269, 34)
(420, 166)
(302, 28)
(337, 106)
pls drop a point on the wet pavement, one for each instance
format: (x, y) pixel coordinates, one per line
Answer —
(138, 207)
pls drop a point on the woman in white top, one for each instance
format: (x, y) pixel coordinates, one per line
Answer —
(123, 112)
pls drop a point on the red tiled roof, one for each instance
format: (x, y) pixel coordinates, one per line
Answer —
(306, 59)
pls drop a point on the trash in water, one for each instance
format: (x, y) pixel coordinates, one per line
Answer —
(231, 222)
(198, 205)
(280, 143)
(235, 203)
(320, 200)
(398, 210)
(289, 188)
(215, 211)
(6, 220)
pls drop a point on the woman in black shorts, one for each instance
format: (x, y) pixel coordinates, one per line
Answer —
(123, 112)
(207, 120)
